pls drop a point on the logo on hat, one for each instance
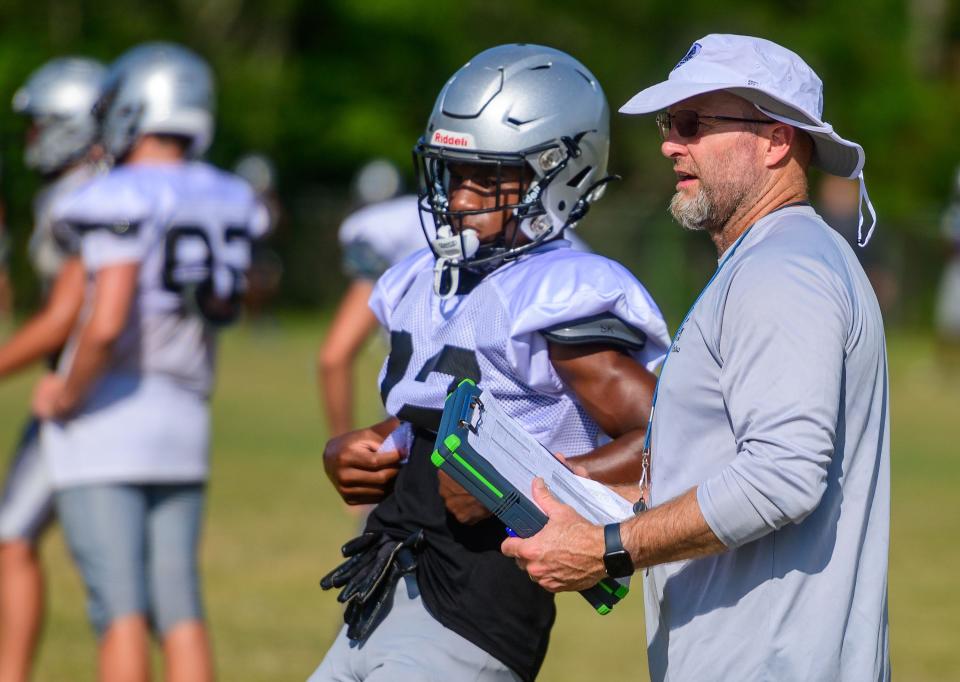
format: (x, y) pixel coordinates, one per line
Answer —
(691, 53)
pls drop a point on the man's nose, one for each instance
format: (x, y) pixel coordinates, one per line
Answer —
(673, 146)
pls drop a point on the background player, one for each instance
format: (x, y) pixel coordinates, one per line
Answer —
(563, 339)
(948, 297)
(266, 267)
(166, 241)
(380, 234)
(57, 99)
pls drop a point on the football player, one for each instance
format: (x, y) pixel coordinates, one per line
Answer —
(57, 99)
(514, 154)
(380, 234)
(266, 267)
(947, 320)
(165, 240)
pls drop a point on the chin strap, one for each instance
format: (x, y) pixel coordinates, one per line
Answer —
(827, 129)
(451, 250)
(451, 268)
(590, 195)
(865, 199)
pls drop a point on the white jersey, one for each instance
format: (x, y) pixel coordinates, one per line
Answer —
(184, 224)
(49, 247)
(189, 226)
(493, 335)
(380, 235)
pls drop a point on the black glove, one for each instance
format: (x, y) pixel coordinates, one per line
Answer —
(375, 563)
(356, 559)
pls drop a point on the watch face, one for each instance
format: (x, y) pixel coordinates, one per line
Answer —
(618, 564)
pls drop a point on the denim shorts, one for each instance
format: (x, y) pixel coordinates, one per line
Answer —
(136, 547)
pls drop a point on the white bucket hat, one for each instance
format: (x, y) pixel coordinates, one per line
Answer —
(778, 83)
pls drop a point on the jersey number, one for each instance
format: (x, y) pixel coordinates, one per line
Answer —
(191, 263)
(459, 363)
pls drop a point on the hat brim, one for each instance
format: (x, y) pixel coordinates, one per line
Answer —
(832, 153)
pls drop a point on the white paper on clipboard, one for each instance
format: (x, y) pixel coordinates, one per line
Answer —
(520, 458)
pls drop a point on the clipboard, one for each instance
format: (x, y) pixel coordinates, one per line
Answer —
(453, 454)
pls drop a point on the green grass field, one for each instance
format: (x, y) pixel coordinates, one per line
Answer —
(274, 526)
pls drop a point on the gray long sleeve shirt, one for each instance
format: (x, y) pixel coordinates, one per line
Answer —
(773, 403)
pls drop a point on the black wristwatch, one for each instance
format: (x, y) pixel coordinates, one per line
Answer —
(616, 559)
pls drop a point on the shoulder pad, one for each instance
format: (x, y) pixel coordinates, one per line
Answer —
(605, 328)
(361, 260)
(120, 228)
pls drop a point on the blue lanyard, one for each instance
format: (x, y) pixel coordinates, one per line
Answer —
(676, 338)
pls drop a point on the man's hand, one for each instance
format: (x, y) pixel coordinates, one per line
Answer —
(47, 397)
(567, 554)
(359, 473)
(464, 506)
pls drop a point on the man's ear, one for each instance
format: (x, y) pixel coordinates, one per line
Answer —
(780, 141)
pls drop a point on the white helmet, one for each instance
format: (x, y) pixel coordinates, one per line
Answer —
(157, 88)
(377, 181)
(59, 97)
(258, 170)
(527, 106)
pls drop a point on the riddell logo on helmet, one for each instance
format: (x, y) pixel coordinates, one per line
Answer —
(447, 138)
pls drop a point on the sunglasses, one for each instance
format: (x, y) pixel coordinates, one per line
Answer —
(687, 122)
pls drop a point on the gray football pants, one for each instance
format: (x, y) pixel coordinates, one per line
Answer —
(26, 504)
(410, 645)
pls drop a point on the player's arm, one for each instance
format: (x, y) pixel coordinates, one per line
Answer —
(352, 325)
(360, 473)
(48, 330)
(616, 391)
(114, 290)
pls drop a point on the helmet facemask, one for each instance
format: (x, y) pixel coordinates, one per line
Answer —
(54, 142)
(57, 99)
(526, 225)
(117, 125)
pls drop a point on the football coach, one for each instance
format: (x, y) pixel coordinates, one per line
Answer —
(766, 539)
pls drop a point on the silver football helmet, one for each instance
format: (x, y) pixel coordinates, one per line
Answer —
(158, 88)
(59, 98)
(527, 106)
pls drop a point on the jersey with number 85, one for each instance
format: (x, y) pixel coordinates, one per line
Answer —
(189, 226)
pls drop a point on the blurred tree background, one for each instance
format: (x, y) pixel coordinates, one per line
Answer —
(320, 86)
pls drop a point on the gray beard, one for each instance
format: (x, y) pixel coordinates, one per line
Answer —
(694, 215)
(711, 208)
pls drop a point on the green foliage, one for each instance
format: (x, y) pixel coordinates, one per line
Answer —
(322, 86)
